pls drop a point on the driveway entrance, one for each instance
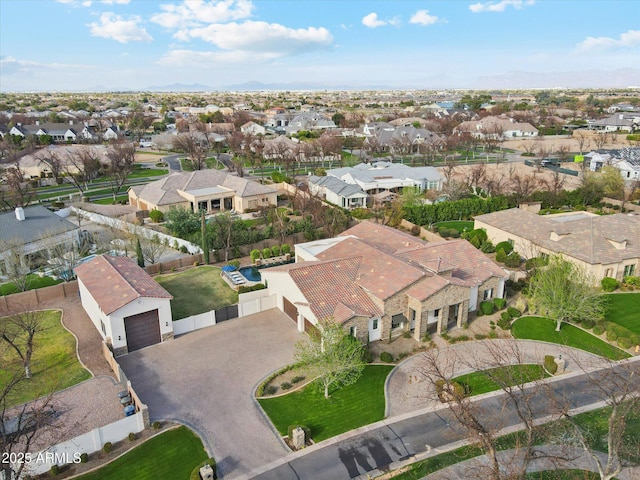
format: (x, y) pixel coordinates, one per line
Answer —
(206, 379)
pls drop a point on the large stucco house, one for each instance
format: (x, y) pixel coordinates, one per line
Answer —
(604, 246)
(208, 190)
(382, 176)
(129, 309)
(379, 282)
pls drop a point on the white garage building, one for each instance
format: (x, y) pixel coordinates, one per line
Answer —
(128, 307)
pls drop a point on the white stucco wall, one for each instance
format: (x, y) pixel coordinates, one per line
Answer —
(282, 285)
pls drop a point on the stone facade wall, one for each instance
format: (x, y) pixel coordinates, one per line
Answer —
(492, 282)
(362, 327)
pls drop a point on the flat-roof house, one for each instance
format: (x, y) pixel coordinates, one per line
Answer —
(379, 282)
(605, 246)
(379, 176)
(208, 190)
(129, 309)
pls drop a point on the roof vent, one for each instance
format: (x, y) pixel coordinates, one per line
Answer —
(20, 214)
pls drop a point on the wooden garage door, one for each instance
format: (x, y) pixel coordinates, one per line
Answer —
(142, 330)
(290, 309)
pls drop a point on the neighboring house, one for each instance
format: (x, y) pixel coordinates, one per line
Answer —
(627, 160)
(618, 122)
(208, 190)
(379, 176)
(31, 231)
(253, 128)
(379, 282)
(35, 165)
(605, 246)
(338, 192)
(404, 139)
(309, 121)
(111, 133)
(129, 309)
(59, 132)
(502, 127)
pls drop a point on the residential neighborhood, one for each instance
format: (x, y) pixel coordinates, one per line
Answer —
(243, 239)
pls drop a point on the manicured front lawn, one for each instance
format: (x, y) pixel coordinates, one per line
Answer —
(35, 281)
(623, 309)
(54, 364)
(172, 454)
(197, 290)
(477, 383)
(350, 407)
(544, 329)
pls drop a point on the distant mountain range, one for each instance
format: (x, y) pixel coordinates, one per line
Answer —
(514, 80)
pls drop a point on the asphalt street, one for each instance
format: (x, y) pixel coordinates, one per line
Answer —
(374, 449)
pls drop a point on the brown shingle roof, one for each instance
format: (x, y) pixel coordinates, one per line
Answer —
(116, 281)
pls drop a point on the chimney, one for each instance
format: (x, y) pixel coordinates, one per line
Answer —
(70, 122)
(20, 214)
(37, 122)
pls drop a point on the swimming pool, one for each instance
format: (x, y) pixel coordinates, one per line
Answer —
(251, 273)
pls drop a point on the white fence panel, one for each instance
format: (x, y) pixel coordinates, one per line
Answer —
(255, 302)
(184, 325)
(194, 322)
(205, 320)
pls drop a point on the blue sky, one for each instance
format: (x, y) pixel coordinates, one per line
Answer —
(105, 44)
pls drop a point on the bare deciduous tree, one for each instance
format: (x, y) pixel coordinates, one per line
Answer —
(121, 158)
(195, 147)
(19, 331)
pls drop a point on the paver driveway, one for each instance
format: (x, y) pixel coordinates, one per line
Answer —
(205, 379)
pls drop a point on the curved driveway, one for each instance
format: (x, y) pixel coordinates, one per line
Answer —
(205, 379)
(408, 389)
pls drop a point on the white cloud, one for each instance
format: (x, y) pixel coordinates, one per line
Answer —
(117, 28)
(114, 2)
(372, 21)
(422, 17)
(195, 59)
(11, 65)
(630, 38)
(499, 6)
(271, 39)
(198, 12)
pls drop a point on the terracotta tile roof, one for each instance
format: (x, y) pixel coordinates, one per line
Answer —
(117, 281)
(380, 274)
(331, 288)
(385, 239)
(427, 287)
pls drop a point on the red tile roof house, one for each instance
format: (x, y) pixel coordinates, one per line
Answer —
(128, 307)
(379, 282)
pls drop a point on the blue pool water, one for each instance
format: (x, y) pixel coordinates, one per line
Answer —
(251, 274)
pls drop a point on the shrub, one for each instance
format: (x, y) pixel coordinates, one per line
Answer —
(609, 284)
(107, 447)
(588, 323)
(487, 247)
(234, 263)
(285, 385)
(426, 337)
(386, 357)
(183, 249)
(501, 255)
(480, 336)
(132, 436)
(505, 246)
(285, 248)
(275, 251)
(270, 390)
(444, 232)
(156, 216)
(415, 230)
(486, 307)
(156, 425)
(493, 334)
(266, 252)
(514, 312)
(634, 281)
(453, 233)
(536, 262)
(255, 255)
(625, 342)
(251, 288)
(598, 330)
(512, 260)
(612, 336)
(499, 303)
(550, 364)
(297, 379)
(84, 458)
(479, 313)
(55, 470)
(459, 338)
(195, 473)
(505, 321)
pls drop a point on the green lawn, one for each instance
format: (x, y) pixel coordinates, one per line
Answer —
(461, 226)
(544, 329)
(172, 454)
(109, 200)
(197, 290)
(563, 475)
(477, 383)
(622, 308)
(350, 407)
(35, 281)
(54, 364)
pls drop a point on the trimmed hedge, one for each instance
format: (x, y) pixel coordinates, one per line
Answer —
(499, 303)
(514, 312)
(487, 307)
(513, 260)
(506, 246)
(251, 288)
(501, 255)
(386, 357)
(608, 284)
